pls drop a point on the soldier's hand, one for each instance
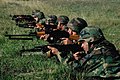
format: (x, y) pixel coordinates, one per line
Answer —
(77, 55)
(44, 37)
(38, 25)
(53, 49)
(66, 41)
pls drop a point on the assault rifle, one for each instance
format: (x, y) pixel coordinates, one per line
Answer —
(48, 29)
(19, 18)
(31, 25)
(24, 36)
(44, 48)
(54, 36)
(25, 21)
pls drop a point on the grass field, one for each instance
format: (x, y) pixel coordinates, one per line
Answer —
(102, 13)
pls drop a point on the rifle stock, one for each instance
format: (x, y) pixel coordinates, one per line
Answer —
(40, 33)
(74, 37)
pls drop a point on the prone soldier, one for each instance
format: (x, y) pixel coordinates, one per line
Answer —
(74, 27)
(62, 22)
(38, 15)
(101, 60)
(40, 19)
(50, 25)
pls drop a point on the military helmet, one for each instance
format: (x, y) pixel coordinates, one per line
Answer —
(38, 14)
(91, 34)
(77, 24)
(52, 19)
(63, 19)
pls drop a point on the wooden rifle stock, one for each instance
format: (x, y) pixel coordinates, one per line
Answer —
(40, 33)
(74, 37)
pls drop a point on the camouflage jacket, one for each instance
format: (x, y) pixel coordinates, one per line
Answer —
(61, 57)
(102, 61)
(42, 21)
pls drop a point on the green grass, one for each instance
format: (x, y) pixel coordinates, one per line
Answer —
(102, 13)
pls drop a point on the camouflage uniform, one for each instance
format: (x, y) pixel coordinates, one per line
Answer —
(61, 57)
(102, 61)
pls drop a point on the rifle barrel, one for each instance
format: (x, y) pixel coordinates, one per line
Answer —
(27, 27)
(21, 38)
(20, 35)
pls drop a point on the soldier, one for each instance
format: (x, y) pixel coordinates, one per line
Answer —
(54, 24)
(62, 22)
(38, 15)
(101, 60)
(50, 24)
(51, 20)
(39, 18)
(74, 26)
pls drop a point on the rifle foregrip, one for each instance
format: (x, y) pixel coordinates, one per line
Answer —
(74, 37)
(40, 33)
